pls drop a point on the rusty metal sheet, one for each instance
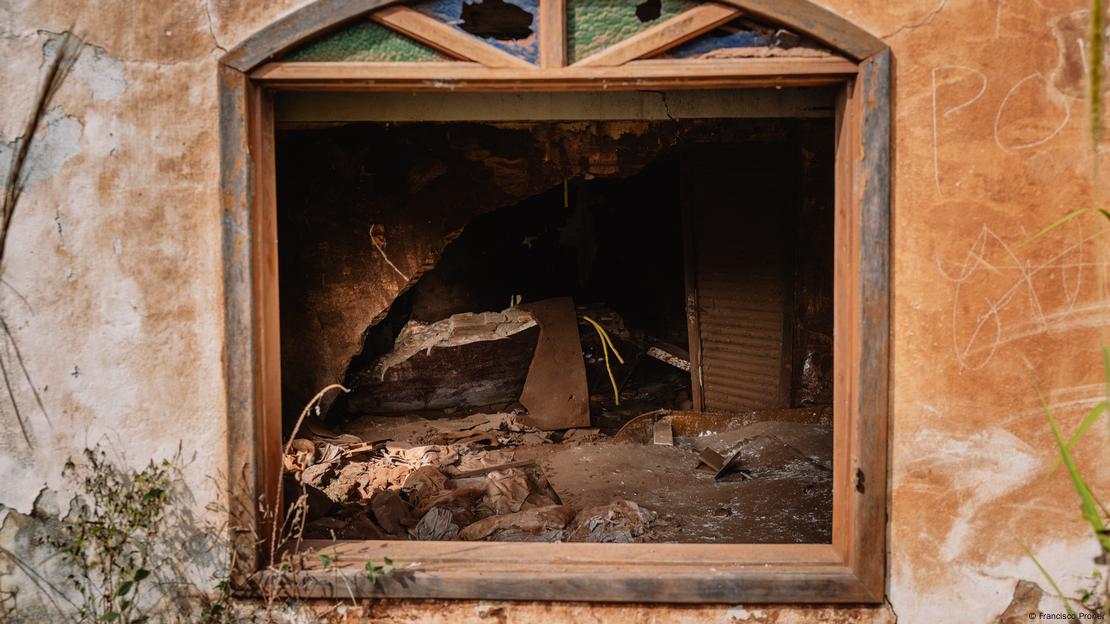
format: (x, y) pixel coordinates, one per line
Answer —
(555, 392)
(739, 210)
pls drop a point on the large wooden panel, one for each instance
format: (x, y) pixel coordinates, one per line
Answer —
(739, 208)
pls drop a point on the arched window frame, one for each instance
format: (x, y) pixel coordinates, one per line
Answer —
(850, 569)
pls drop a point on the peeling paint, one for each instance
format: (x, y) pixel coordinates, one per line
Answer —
(58, 140)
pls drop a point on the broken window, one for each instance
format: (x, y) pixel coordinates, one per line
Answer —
(746, 38)
(583, 330)
(509, 25)
(593, 25)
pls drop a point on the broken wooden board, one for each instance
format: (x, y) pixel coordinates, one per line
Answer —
(663, 434)
(690, 424)
(555, 392)
(669, 354)
(719, 463)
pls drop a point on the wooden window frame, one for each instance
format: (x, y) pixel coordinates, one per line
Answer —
(851, 569)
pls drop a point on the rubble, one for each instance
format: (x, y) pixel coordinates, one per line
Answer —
(540, 523)
(436, 526)
(465, 361)
(621, 521)
(580, 485)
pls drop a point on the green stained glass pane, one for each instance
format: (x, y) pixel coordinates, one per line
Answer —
(364, 41)
(593, 25)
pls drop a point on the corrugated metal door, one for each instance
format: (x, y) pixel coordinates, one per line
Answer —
(739, 210)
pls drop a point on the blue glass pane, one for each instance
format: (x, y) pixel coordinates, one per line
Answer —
(510, 25)
(743, 35)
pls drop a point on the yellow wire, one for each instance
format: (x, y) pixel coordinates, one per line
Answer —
(606, 346)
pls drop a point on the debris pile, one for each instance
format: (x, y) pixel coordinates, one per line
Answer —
(461, 480)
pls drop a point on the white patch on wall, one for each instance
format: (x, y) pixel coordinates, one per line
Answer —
(740, 614)
(57, 140)
(984, 466)
(101, 73)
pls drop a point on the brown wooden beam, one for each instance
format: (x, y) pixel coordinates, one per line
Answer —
(806, 18)
(445, 38)
(675, 31)
(553, 33)
(304, 24)
(651, 74)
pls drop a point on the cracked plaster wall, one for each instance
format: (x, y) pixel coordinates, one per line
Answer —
(112, 285)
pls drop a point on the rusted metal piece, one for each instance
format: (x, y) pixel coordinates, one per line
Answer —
(689, 423)
(555, 392)
(738, 303)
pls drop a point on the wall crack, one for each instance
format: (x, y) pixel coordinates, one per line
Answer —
(920, 23)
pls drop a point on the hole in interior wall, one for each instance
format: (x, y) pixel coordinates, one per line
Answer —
(496, 19)
(649, 10)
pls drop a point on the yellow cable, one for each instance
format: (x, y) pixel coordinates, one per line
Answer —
(606, 346)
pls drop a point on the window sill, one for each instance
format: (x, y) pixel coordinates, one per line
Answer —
(671, 573)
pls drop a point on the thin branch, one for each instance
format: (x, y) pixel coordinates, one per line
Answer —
(68, 51)
(23, 367)
(15, 403)
(37, 579)
(17, 294)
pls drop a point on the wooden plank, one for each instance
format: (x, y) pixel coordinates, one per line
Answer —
(267, 326)
(308, 107)
(806, 18)
(635, 75)
(734, 556)
(662, 434)
(677, 30)
(553, 579)
(845, 251)
(445, 38)
(556, 392)
(306, 23)
(871, 185)
(553, 33)
(238, 353)
(692, 303)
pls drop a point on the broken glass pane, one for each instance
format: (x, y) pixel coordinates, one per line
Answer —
(745, 38)
(593, 25)
(509, 25)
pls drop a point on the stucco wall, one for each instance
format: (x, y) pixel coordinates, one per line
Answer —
(112, 283)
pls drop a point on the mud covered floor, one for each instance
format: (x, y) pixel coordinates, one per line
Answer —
(487, 477)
